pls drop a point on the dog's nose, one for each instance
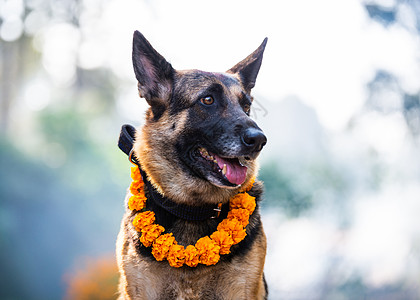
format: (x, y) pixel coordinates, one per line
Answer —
(254, 139)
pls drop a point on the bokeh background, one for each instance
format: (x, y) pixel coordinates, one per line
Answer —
(337, 95)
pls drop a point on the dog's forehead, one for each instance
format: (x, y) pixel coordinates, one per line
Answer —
(226, 79)
(194, 82)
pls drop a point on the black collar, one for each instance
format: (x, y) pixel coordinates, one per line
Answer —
(186, 212)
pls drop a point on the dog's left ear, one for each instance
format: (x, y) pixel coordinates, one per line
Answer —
(154, 74)
(249, 67)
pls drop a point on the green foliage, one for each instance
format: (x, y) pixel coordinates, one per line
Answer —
(297, 189)
(53, 213)
(282, 192)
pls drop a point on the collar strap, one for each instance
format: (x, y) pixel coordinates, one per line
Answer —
(126, 142)
(186, 212)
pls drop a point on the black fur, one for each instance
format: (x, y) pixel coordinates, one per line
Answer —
(248, 68)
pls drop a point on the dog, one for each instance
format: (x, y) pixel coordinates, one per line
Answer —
(196, 151)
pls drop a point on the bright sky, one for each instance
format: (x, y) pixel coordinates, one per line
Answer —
(322, 51)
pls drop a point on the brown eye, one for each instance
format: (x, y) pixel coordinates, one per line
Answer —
(207, 100)
(247, 108)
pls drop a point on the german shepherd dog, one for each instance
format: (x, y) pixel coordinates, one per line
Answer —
(197, 148)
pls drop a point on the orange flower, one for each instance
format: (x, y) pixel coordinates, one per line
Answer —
(135, 173)
(242, 215)
(137, 202)
(162, 245)
(176, 256)
(150, 233)
(208, 251)
(137, 187)
(243, 200)
(191, 256)
(249, 186)
(234, 228)
(224, 240)
(143, 219)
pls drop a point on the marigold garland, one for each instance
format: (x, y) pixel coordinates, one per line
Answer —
(144, 219)
(150, 233)
(223, 240)
(162, 245)
(191, 256)
(176, 256)
(207, 250)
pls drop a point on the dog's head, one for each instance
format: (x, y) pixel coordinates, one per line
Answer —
(198, 138)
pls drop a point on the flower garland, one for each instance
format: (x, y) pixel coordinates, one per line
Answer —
(208, 249)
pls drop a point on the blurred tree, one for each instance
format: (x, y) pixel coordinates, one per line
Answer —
(385, 92)
(281, 191)
(384, 15)
(50, 216)
(14, 63)
(411, 113)
(60, 177)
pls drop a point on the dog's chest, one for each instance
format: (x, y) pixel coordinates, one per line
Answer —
(159, 281)
(198, 284)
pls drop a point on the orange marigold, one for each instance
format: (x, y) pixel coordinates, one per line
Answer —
(162, 245)
(208, 251)
(248, 187)
(143, 219)
(242, 215)
(135, 173)
(243, 200)
(137, 202)
(176, 256)
(150, 233)
(137, 187)
(191, 256)
(234, 228)
(224, 240)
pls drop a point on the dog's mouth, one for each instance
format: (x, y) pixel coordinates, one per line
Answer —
(222, 171)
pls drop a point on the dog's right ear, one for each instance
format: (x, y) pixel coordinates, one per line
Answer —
(154, 74)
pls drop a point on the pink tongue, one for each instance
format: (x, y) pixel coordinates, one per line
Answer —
(235, 173)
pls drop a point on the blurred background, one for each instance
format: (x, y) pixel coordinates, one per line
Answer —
(337, 95)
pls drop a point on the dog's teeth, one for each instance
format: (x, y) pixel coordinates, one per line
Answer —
(204, 153)
(224, 170)
(242, 161)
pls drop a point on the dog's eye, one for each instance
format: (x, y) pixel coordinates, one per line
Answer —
(247, 108)
(207, 100)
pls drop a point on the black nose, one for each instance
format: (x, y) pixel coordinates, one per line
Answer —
(254, 139)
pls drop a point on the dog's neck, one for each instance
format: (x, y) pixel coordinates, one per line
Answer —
(186, 212)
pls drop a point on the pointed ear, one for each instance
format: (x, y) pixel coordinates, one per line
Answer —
(249, 67)
(154, 74)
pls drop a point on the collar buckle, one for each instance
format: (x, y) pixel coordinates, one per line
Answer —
(217, 210)
(131, 158)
